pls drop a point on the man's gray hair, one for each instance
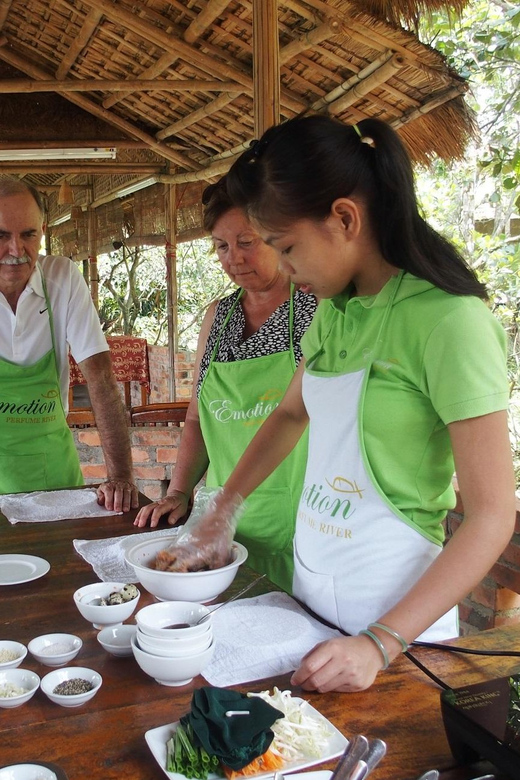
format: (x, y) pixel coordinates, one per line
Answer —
(10, 185)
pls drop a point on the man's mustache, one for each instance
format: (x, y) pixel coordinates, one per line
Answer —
(12, 260)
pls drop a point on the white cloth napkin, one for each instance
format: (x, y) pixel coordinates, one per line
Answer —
(261, 637)
(107, 556)
(48, 505)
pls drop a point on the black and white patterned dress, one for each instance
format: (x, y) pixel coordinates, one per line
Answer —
(271, 337)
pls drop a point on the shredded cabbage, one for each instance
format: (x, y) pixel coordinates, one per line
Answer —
(299, 735)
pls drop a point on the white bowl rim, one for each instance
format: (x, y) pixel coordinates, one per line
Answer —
(240, 557)
(113, 585)
(179, 642)
(165, 657)
(35, 679)
(5, 665)
(76, 641)
(129, 629)
(75, 671)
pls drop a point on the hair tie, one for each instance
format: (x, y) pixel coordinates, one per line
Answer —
(257, 148)
(365, 139)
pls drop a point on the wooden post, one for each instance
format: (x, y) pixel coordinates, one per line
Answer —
(92, 257)
(170, 205)
(266, 67)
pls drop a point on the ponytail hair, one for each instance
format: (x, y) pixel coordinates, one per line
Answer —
(299, 168)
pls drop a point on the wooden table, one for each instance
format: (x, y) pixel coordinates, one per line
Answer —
(104, 739)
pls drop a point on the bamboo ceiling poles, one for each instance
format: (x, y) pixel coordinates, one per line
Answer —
(201, 22)
(37, 73)
(5, 5)
(118, 85)
(266, 66)
(79, 42)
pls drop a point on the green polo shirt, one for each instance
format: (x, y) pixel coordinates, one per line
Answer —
(436, 359)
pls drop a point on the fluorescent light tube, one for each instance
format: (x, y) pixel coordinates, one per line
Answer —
(135, 186)
(60, 220)
(58, 154)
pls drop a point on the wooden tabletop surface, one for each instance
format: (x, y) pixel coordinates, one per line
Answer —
(104, 739)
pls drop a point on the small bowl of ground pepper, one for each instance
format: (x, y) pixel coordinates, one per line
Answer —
(72, 686)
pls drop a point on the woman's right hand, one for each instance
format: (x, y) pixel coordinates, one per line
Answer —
(174, 504)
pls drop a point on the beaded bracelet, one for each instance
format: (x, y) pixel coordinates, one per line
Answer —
(380, 645)
(402, 642)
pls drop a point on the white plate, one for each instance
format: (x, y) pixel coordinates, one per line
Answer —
(16, 569)
(27, 772)
(157, 739)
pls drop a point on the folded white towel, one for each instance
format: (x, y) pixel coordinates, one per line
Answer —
(261, 637)
(47, 505)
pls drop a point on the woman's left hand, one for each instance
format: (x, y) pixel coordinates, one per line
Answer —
(343, 664)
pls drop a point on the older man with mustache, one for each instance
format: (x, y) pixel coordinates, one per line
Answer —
(45, 309)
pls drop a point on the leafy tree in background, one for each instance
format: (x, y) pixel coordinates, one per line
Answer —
(476, 202)
(133, 291)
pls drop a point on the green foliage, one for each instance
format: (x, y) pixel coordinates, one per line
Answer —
(132, 291)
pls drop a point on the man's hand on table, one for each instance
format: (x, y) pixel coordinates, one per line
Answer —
(118, 495)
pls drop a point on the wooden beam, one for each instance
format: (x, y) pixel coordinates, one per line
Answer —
(195, 116)
(366, 85)
(172, 312)
(169, 42)
(343, 88)
(71, 144)
(79, 42)
(266, 66)
(35, 72)
(5, 6)
(77, 168)
(322, 32)
(157, 69)
(205, 17)
(429, 105)
(119, 85)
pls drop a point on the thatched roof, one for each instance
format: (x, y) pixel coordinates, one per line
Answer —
(170, 83)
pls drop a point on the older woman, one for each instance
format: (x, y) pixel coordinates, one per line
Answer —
(248, 351)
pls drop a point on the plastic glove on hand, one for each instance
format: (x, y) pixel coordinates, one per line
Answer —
(204, 542)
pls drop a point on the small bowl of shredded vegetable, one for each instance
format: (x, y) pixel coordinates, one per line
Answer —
(11, 654)
(72, 686)
(17, 686)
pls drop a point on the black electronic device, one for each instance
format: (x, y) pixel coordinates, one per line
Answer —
(482, 721)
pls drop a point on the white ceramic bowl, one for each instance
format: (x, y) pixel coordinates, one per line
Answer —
(173, 648)
(12, 647)
(51, 680)
(27, 772)
(100, 616)
(172, 671)
(117, 640)
(201, 586)
(22, 678)
(50, 649)
(157, 619)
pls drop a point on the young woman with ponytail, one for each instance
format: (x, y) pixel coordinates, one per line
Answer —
(403, 382)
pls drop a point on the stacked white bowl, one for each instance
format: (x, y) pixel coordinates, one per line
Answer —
(170, 643)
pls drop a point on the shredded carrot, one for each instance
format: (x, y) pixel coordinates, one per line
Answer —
(267, 762)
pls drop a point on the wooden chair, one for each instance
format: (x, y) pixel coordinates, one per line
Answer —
(130, 363)
(173, 412)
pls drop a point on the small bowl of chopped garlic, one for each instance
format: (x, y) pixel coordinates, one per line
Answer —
(17, 686)
(71, 687)
(55, 649)
(11, 654)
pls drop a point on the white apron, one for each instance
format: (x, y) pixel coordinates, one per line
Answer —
(355, 553)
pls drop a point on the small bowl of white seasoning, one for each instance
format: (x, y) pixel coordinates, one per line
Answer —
(55, 649)
(17, 686)
(71, 687)
(11, 654)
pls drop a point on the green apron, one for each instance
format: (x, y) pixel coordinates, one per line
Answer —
(37, 450)
(235, 398)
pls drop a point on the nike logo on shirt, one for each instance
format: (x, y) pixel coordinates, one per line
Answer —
(42, 310)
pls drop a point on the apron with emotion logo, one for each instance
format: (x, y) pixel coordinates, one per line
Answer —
(37, 450)
(235, 398)
(355, 553)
